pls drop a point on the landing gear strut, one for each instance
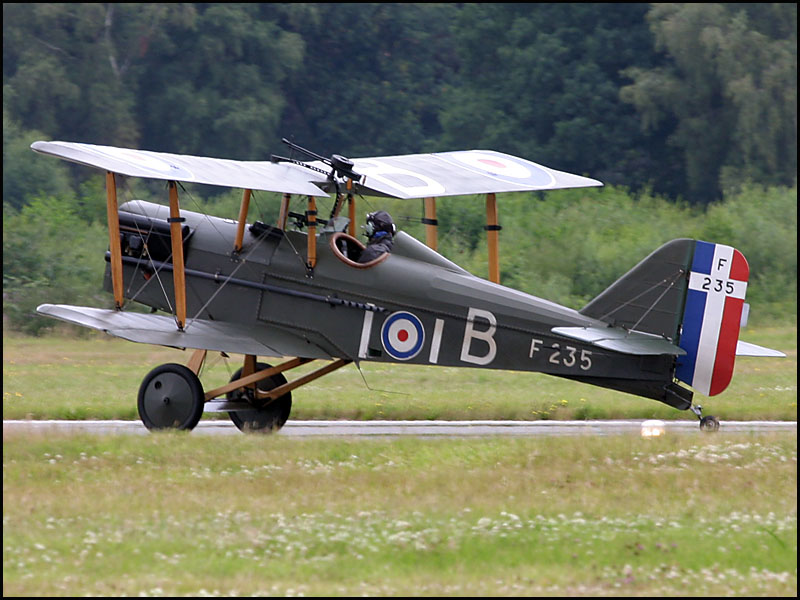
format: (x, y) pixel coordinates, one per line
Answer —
(708, 423)
(258, 397)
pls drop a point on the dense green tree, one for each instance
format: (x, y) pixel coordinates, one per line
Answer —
(50, 255)
(212, 86)
(714, 85)
(24, 177)
(71, 70)
(372, 79)
(542, 81)
(730, 86)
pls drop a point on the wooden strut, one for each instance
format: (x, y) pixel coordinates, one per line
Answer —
(492, 230)
(279, 391)
(431, 226)
(254, 377)
(196, 361)
(311, 220)
(339, 204)
(351, 210)
(114, 243)
(283, 216)
(243, 209)
(178, 274)
(250, 377)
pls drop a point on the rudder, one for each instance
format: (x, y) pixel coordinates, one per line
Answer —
(712, 317)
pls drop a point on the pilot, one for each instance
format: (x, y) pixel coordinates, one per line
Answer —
(380, 231)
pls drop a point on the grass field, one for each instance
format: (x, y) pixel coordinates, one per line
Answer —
(98, 377)
(175, 514)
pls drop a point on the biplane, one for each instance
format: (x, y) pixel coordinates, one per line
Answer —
(666, 329)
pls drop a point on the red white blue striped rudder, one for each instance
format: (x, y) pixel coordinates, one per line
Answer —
(712, 316)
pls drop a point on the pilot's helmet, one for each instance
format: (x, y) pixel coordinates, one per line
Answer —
(380, 221)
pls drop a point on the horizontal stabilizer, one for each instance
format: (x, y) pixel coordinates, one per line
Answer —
(621, 340)
(199, 333)
(748, 349)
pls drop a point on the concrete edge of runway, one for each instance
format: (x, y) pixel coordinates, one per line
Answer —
(336, 428)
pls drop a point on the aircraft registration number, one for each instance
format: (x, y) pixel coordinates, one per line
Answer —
(567, 356)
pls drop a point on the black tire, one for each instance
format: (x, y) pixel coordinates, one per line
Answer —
(266, 419)
(709, 423)
(171, 397)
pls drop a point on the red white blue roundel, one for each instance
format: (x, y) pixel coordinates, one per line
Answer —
(503, 167)
(402, 335)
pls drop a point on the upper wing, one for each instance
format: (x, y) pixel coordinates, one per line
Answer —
(255, 175)
(256, 339)
(407, 176)
(459, 173)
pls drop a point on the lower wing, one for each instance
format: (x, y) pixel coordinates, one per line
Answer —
(255, 339)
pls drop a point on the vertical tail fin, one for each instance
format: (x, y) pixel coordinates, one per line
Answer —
(691, 293)
(711, 317)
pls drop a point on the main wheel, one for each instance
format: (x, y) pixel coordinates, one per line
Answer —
(709, 423)
(171, 397)
(263, 418)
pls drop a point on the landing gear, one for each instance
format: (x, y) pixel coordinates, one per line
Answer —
(171, 397)
(709, 423)
(258, 397)
(266, 416)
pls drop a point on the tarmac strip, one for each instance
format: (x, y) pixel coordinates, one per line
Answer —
(413, 428)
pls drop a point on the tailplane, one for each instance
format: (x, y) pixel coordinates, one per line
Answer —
(691, 294)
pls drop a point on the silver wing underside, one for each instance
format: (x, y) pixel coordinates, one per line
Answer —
(266, 176)
(256, 339)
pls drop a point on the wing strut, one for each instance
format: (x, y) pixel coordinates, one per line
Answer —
(492, 232)
(431, 237)
(311, 219)
(351, 210)
(492, 237)
(245, 206)
(178, 274)
(114, 243)
(284, 213)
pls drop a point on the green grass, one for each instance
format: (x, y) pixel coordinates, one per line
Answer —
(176, 514)
(98, 377)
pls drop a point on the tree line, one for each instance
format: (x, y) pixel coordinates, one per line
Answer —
(687, 112)
(687, 100)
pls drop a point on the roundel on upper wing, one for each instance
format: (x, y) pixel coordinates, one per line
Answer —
(159, 167)
(504, 166)
(402, 335)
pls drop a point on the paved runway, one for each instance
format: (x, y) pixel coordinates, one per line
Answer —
(414, 428)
